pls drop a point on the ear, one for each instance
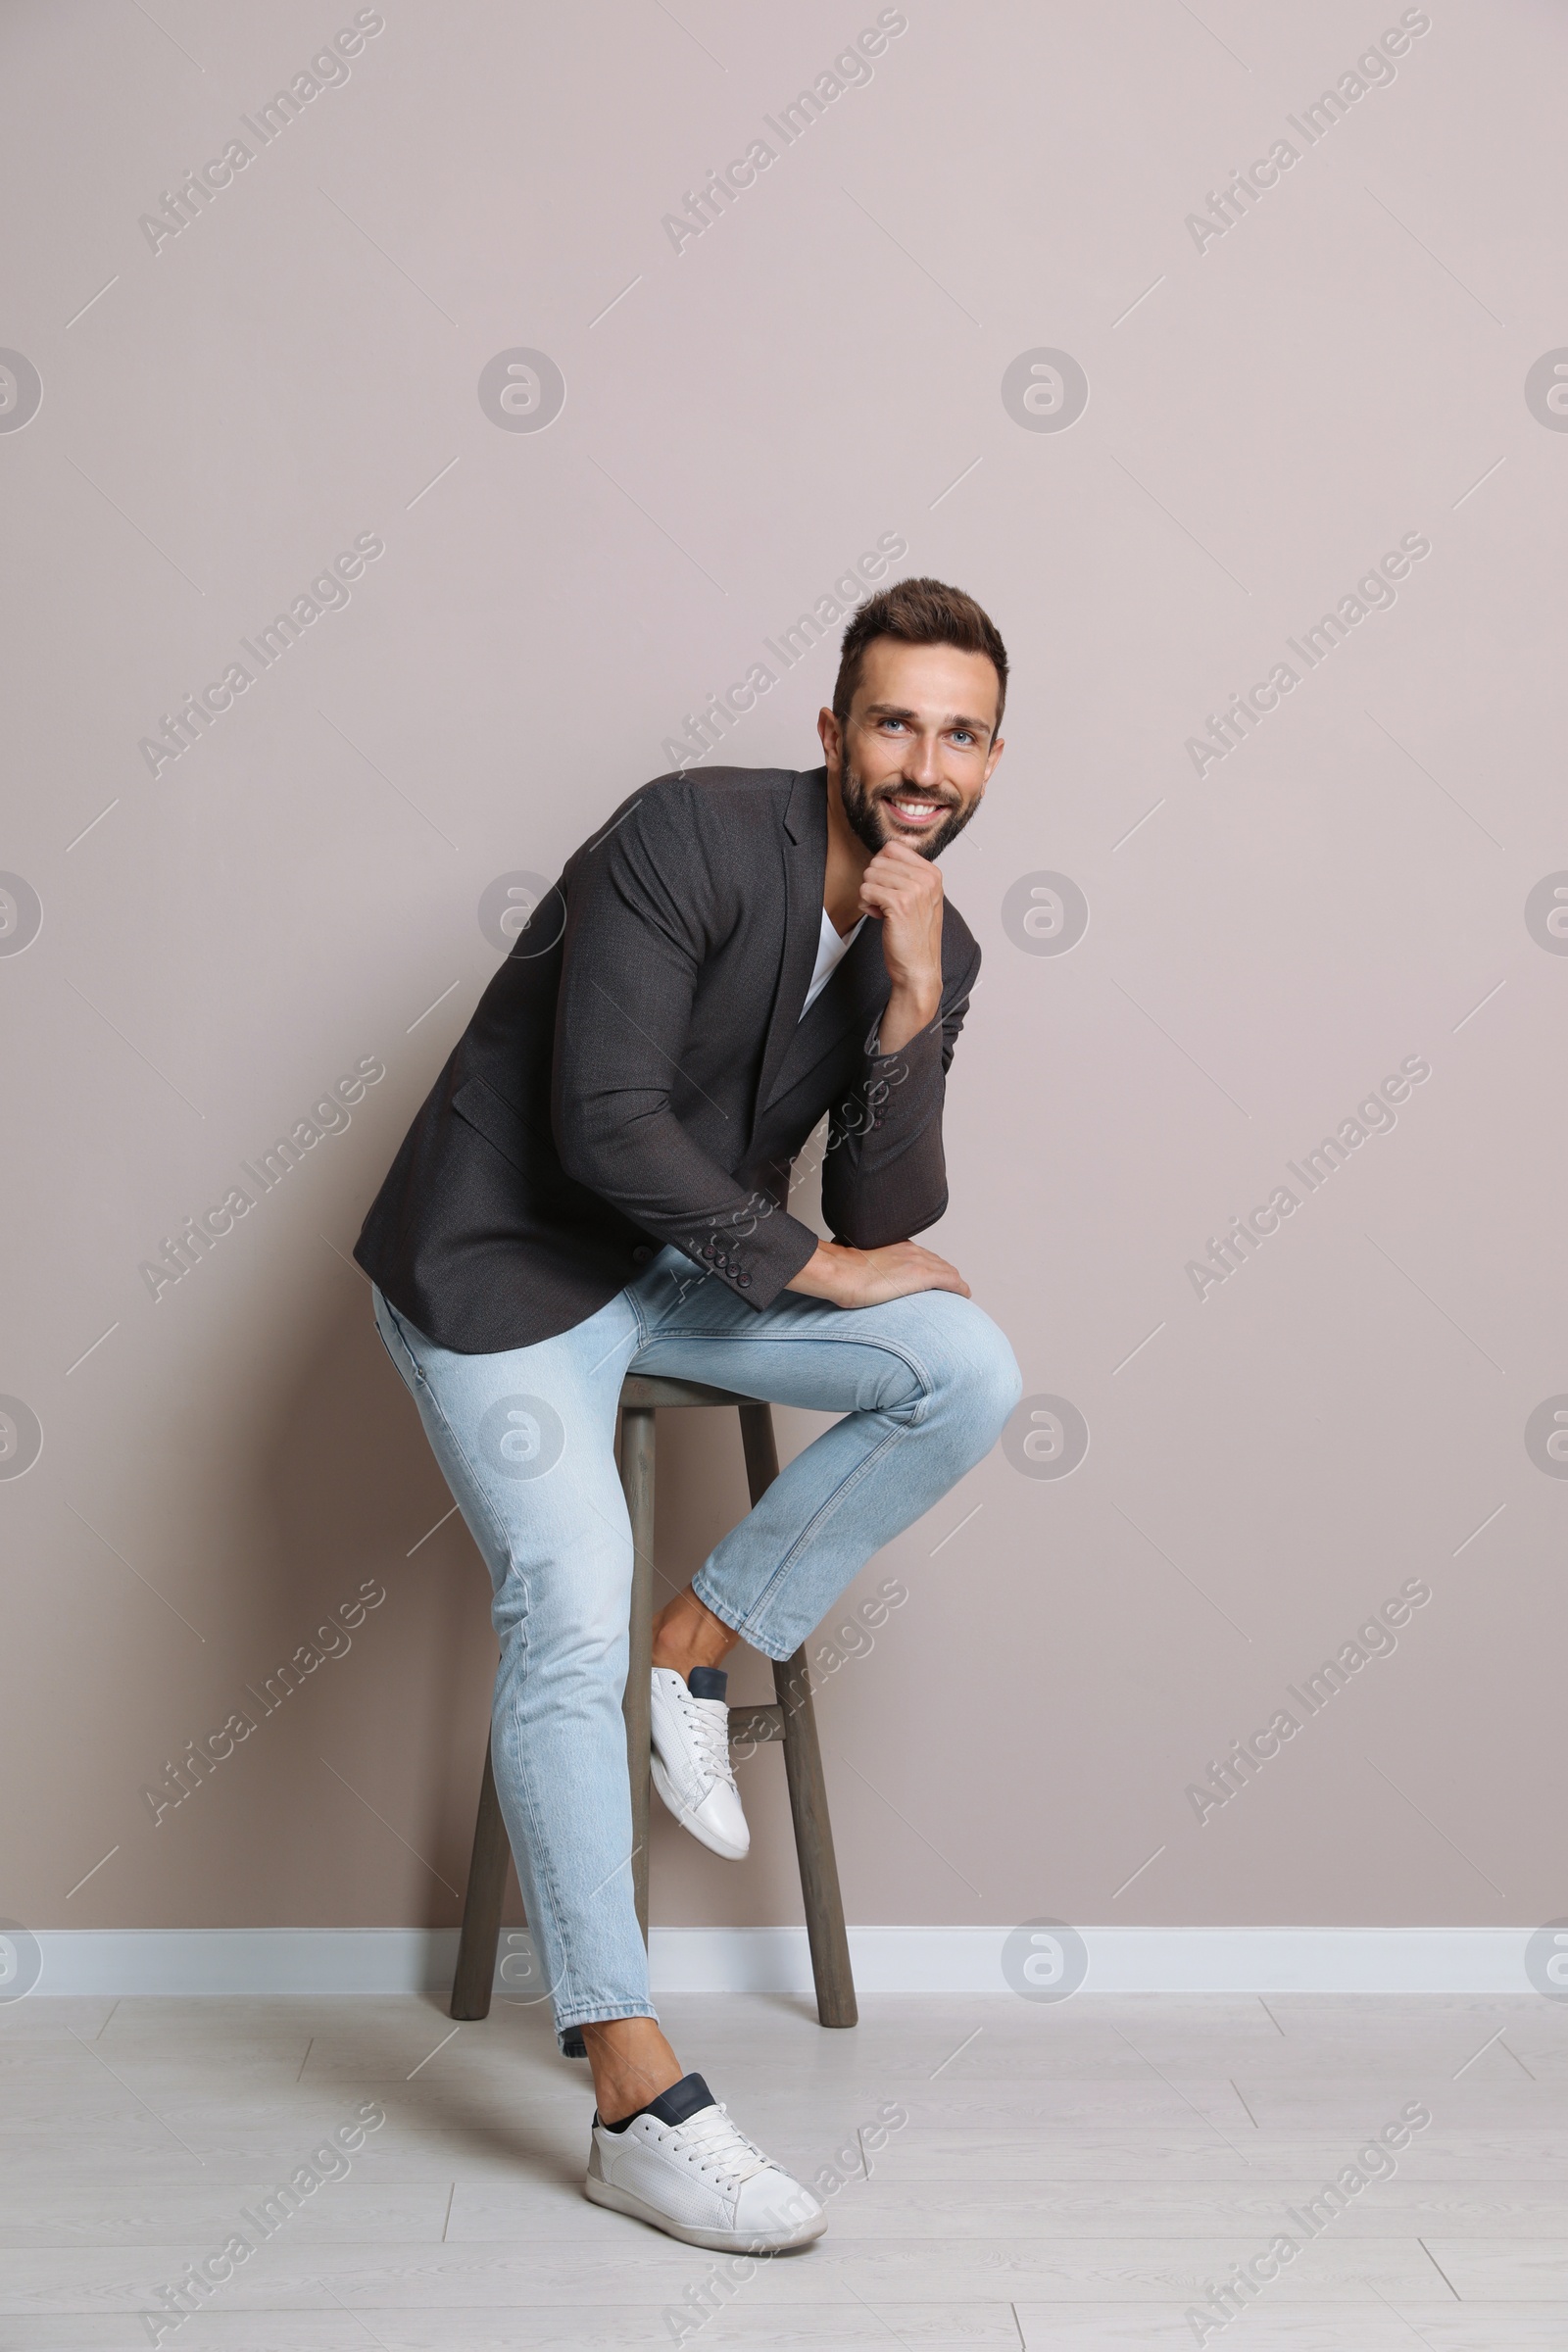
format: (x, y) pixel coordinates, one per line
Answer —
(831, 737)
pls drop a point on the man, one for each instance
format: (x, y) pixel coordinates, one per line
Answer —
(596, 1183)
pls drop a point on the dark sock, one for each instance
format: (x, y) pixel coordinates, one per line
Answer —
(681, 2101)
(708, 1682)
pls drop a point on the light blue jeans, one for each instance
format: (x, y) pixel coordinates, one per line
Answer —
(526, 1440)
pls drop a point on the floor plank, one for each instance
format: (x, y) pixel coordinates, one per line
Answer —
(1063, 2178)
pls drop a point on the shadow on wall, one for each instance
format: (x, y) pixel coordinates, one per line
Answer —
(360, 1652)
(369, 1696)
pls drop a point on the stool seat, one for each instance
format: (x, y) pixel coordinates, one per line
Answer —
(645, 1390)
(789, 1722)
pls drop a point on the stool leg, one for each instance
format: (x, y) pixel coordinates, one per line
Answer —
(637, 1479)
(477, 1944)
(803, 1767)
(760, 1448)
(813, 1846)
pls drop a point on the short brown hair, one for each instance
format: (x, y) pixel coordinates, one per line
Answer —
(920, 611)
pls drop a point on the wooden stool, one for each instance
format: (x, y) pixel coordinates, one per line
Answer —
(791, 1720)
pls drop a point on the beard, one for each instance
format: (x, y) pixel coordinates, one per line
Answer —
(871, 823)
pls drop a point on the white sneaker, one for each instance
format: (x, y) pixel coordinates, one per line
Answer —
(690, 1760)
(682, 2166)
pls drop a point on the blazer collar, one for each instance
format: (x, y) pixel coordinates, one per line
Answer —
(806, 810)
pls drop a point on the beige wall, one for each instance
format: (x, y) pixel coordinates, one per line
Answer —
(299, 891)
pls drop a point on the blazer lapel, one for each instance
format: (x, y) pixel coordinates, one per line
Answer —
(850, 1004)
(804, 826)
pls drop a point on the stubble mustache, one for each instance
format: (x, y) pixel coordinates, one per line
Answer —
(863, 808)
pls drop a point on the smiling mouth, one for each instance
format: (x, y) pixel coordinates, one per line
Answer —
(914, 812)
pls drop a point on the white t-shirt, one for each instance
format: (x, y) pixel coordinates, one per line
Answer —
(830, 954)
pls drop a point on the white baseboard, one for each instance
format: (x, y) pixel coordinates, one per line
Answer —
(245, 1960)
(775, 1960)
(968, 1960)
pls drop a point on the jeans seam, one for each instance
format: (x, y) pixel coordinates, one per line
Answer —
(811, 1339)
(538, 1844)
(538, 1856)
(412, 1373)
(482, 1499)
(823, 1512)
(845, 1485)
(646, 1331)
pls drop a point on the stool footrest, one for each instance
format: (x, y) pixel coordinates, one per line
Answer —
(755, 1723)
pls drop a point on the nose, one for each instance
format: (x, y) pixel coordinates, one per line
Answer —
(923, 765)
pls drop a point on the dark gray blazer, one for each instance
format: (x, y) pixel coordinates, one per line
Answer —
(637, 1073)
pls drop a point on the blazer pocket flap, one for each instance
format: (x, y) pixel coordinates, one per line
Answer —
(513, 1136)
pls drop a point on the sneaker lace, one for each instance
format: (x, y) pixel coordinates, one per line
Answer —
(711, 2143)
(708, 1723)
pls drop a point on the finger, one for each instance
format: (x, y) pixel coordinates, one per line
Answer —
(891, 904)
(907, 864)
(902, 862)
(909, 857)
(910, 866)
(941, 1265)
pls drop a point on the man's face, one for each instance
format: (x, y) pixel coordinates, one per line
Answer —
(916, 753)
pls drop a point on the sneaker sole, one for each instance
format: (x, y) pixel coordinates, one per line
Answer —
(687, 1819)
(714, 2241)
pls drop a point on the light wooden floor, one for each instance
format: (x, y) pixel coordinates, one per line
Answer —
(1068, 2177)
